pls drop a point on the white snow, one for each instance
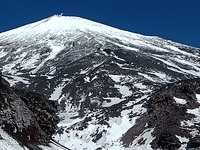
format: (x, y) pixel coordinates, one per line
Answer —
(76, 143)
(194, 132)
(140, 86)
(57, 92)
(124, 90)
(187, 123)
(83, 71)
(183, 141)
(126, 47)
(146, 76)
(178, 50)
(60, 25)
(55, 50)
(174, 67)
(8, 143)
(147, 137)
(193, 65)
(161, 75)
(30, 63)
(15, 79)
(2, 54)
(138, 109)
(180, 101)
(78, 140)
(167, 62)
(114, 100)
(119, 126)
(51, 147)
(198, 98)
(195, 111)
(115, 78)
(87, 79)
(151, 46)
(111, 139)
(193, 121)
(121, 79)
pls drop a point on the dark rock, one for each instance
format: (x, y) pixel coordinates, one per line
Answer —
(44, 110)
(168, 141)
(164, 115)
(1, 138)
(194, 142)
(28, 117)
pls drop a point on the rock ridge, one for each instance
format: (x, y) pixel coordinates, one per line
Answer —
(168, 117)
(28, 117)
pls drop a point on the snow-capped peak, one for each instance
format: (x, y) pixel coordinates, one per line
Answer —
(103, 79)
(58, 25)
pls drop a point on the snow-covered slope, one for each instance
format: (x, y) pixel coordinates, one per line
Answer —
(100, 75)
(60, 25)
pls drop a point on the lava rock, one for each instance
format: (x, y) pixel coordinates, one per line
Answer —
(27, 116)
(194, 143)
(164, 115)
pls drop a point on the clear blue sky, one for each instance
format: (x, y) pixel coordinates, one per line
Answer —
(177, 20)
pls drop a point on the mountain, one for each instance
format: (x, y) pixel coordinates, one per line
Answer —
(115, 89)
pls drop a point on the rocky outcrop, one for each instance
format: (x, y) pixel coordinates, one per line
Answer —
(28, 117)
(169, 118)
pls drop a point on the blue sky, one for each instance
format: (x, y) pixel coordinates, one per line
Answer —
(177, 20)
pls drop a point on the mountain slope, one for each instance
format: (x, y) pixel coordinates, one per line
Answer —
(101, 76)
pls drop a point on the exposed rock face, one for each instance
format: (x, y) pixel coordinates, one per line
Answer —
(43, 109)
(101, 77)
(169, 117)
(27, 116)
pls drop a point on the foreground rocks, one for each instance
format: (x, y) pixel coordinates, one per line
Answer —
(169, 118)
(28, 117)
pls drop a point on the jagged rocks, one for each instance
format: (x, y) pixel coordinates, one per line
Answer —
(43, 109)
(166, 116)
(194, 143)
(28, 117)
(167, 141)
(168, 111)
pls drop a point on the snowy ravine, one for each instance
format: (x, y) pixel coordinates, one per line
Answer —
(101, 76)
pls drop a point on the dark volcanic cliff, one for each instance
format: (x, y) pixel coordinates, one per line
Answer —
(172, 113)
(26, 116)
